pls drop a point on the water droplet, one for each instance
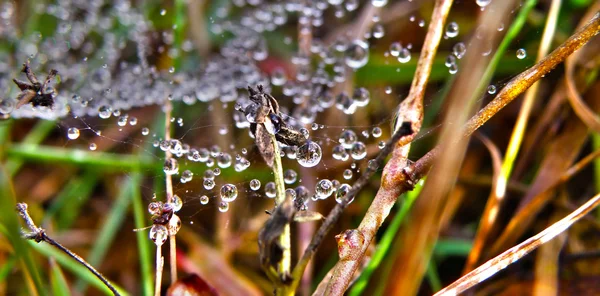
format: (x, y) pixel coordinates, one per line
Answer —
(93, 146)
(395, 48)
(163, 11)
(342, 192)
(290, 176)
(171, 166)
(309, 154)
(204, 199)
(379, 3)
(73, 133)
(378, 31)
(104, 112)
(158, 234)
(483, 3)
(145, 131)
(521, 54)
(491, 89)
(229, 193)
(459, 50)
(452, 30)
(340, 153)
(174, 225)
(209, 184)
(348, 138)
(361, 96)
(324, 188)
(358, 150)
(357, 54)
(176, 203)
(186, 176)
(223, 207)
(347, 174)
(404, 55)
(254, 184)
(376, 132)
(270, 190)
(155, 208)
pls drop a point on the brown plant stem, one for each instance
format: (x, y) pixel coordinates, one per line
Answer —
(336, 212)
(38, 234)
(168, 107)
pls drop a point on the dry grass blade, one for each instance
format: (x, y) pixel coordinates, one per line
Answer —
(492, 206)
(547, 265)
(517, 252)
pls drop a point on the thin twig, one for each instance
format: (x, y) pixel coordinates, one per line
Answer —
(160, 262)
(336, 212)
(38, 234)
(517, 252)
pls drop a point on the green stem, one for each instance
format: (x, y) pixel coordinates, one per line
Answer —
(284, 266)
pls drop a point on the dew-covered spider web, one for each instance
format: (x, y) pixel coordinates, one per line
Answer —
(120, 61)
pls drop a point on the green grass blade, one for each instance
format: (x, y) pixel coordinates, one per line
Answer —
(143, 242)
(110, 228)
(10, 222)
(433, 276)
(66, 206)
(452, 247)
(35, 136)
(58, 282)
(386, 242)
(75, 267)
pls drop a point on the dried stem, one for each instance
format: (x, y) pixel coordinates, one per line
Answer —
(160, 262)
(336, 212)
(38, 234)
(517, 252)
(168, 107)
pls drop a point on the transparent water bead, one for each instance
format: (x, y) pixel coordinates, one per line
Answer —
(483, 3)
(208, 184)
(358, 150)
(376, 132)
(186, 176)
(93, 146)
(270, 190)
(324, 188)
(158, 234)
(204, 199)
(254, 184)
(521, 54)
(452, 30)
(309, 154)
(361, 97)
(379, 3)
(347, 174)
(155, 208)
(104, 112)
(459, 50)
(395, 48)
(176, 203)
(290, 176)
(348, 138)
(174, 225)
(357, 54)
(73, 133)
(342, 192)
(171, 166)
(229, 193)
(404, 55)
(223, 207)
(491, 89)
